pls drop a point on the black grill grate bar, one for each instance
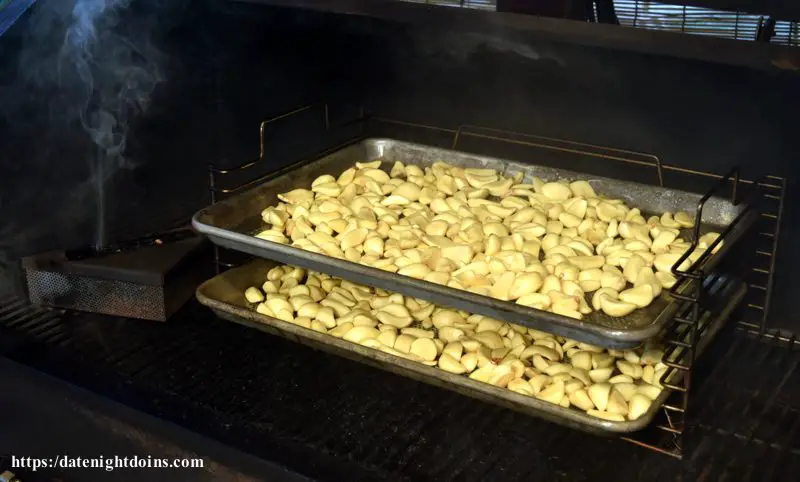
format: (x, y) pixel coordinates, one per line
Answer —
(730, 368)
(7, 308)
(19, 316)
(793, 362)
(766, 377)
(218, 385)
(757, 450)
(403, 426)
(733, 437)
(480, 419)
(43, 326)
(257, 386)
(714, 389)
(166, 355)
(341, 402)
(56, 337)
(145, 348)
(197, 356)
(244, 373)
(452, 466)
(783, 452)
(30, 319)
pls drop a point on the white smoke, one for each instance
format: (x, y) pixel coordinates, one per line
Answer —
(111, 79)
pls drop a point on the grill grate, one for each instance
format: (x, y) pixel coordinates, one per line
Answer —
(338, 420)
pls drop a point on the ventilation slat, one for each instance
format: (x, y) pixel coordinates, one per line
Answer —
(673, 18)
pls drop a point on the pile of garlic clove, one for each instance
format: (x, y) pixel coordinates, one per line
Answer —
(609, 384)
(553, 246)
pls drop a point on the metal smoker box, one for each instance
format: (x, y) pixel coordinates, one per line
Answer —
(149, 282)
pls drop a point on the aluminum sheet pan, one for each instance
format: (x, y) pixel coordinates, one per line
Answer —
(225, 295)
(232, 223)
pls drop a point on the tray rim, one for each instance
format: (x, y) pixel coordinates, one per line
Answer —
(444, 295)
(435, 376)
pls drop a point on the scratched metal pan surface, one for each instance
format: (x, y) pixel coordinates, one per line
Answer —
(233, 222)
(225, 295)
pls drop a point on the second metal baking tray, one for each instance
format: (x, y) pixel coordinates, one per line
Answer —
(225, 295)
(233, 222)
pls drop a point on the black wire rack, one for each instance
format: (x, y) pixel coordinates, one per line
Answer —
(754, 262)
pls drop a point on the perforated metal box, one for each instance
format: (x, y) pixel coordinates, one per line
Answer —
(148, 283)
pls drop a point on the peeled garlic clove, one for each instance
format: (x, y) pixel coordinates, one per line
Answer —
(424, 348)
(651, 356)
(450, 364)
(607, 292)
(553, 393)
(557, 368)
(650, 391)
(582, 188)
(600, 375)
(388, 337)
(668, 222)
(616, 403)
(538, 382)
(632, 267)
(667, 280)
(646, 276)
(540, 363)
(664, 262)
(274, 236)
(483, 374)
(341, 330)
(627, 390)
(501, 375)
(470, 361)
(525, 284)
(297, 196)
(580, 398)
(632, 370)
(684, 220)
(588, 262)
(403, 343)
(611, 417)
(640, 296)
(489, 339)
(520, 386)
(556, 191)
(359, 333)
(582, 360)
(616, 379)
(616, 308)
(454, 349)
(540, 350)
(638, 406)
(263, 309)
(599, 393)
(253, 295)
(502, 286)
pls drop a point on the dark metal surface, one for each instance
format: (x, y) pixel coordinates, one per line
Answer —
(232, 223)
(53, 418)
(224, 294)
(709, 49)
(149, 283)
(333, 419)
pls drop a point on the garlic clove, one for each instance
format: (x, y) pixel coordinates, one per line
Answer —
(599, 393)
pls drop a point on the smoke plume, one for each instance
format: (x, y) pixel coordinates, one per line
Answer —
(90, 65)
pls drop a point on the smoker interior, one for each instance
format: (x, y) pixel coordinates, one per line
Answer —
(233, 65)
(334, 419)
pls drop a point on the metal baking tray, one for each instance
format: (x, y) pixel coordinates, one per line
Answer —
(224, 294)
(233, 222)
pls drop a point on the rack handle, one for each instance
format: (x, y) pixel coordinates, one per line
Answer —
(733, 174)
(564, 145)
